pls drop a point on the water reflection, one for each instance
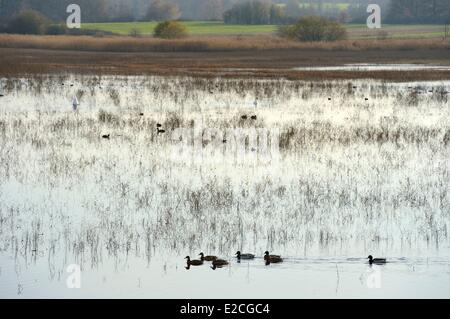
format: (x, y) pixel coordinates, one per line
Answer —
(364, 67)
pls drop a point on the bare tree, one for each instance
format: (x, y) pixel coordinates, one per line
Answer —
(212, 9)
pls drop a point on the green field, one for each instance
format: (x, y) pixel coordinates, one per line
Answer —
(194, 28)
(199, 28)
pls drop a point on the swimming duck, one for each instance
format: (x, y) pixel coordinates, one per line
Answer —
(244, 117)
(159, 129)
(220, 262)
(214, 267)
(194, 262)
(272, 258)
(207, 258)
(376, 260)
(254, 117)
(106, 136)
(239, 255)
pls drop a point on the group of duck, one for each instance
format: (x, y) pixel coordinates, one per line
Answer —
(245, 117)
(159, 126)
(217, 262)
(159, 130)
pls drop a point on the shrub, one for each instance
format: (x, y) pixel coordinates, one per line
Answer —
(286, 31)
(28, 22)
(170, 30)
(310, 29)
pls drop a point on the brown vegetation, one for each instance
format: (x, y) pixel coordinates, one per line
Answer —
(219, 56)
(202, 44)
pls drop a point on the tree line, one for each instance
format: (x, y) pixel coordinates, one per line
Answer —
(93, 10)
(420, 11)
(256, 12)
(120, 10)
(234, 11)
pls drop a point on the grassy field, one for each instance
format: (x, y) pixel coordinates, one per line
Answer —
(194, 27)
(199, 28)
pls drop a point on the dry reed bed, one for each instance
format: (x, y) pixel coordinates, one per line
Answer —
(202, 44)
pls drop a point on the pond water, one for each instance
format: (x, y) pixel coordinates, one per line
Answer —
(365, 67)
(296, 277)
(324, 175)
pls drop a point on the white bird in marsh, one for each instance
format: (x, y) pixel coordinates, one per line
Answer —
(75, 103)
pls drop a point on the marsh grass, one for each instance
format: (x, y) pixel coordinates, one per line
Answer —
(351, 171)
(210, 43)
